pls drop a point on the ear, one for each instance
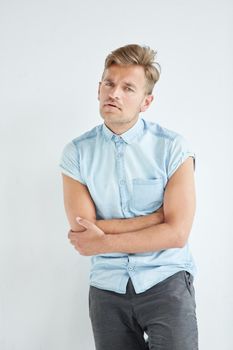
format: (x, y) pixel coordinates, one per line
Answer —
(99, 90)
(146, 103)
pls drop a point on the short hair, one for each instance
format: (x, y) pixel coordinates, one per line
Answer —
(138, 55)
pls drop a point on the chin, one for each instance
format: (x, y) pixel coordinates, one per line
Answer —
(114, 119)
(110, 117)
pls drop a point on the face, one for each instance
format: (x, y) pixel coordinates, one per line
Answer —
(122, 95)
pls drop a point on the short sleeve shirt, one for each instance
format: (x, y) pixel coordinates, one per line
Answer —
(126, 176)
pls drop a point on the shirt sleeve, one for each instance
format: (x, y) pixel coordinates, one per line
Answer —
(179, 151)
(69, 162)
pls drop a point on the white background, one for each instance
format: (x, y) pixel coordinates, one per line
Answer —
(51, 59)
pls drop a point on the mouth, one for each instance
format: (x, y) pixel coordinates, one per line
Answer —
(111, 105)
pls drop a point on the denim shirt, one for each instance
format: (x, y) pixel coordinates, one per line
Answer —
(126, 176)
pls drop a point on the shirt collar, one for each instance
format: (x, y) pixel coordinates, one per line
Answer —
(128, 136)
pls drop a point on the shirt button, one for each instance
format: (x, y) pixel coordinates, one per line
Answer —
(117, 139)
(122, 182)
(130, 268)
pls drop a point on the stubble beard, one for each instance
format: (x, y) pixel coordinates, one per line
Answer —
(117, 120)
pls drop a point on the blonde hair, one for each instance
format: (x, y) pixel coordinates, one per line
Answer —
(138, 55)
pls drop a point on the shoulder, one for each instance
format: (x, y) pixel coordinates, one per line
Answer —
(73, 146)
(88, 135)
(161, 131)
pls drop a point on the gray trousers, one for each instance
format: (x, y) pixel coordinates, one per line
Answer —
(166, 313)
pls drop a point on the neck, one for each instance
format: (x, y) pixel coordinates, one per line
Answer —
(120, 128)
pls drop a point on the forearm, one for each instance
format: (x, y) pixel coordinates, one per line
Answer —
(115, 226)
(154, 238)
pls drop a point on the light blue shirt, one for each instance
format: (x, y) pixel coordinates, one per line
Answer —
(126, 176)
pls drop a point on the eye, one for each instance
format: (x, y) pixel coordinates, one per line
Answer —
(108, 83)
(129, 89)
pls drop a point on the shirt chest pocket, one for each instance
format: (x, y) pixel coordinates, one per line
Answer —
(147, 194)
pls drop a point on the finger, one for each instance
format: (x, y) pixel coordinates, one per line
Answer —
(84, 222)
(74, 242)
(74, 234)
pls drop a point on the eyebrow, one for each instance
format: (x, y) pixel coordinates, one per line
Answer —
(131, 84)
(125, 82)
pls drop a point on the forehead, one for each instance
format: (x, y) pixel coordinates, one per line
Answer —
(130, 73)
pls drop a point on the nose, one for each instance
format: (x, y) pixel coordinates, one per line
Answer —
(114, 92)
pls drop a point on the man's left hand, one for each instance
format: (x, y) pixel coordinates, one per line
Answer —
(92, 241)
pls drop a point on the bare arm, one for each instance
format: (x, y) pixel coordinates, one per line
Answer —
(114, 226)
(78, 202)
(179, 208)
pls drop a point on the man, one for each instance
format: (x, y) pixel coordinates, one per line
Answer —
(129, 196)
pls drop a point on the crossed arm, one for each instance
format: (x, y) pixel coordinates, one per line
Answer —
(114, 226)
(167, 228)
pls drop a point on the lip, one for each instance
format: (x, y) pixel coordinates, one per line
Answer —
(111, 105)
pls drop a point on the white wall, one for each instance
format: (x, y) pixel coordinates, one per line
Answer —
(51, 58)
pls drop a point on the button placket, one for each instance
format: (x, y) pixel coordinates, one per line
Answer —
(131, 264)
(119, 143)
(131, 268)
